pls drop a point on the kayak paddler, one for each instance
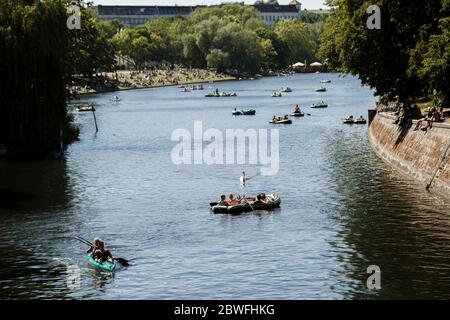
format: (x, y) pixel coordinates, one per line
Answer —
(99, 253)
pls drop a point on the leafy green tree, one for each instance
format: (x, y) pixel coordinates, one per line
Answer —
(298, 39)
(34, 49)
(379, 57)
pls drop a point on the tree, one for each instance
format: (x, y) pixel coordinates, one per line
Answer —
(90, 48)
(298, 39)
(379, 57)
(34, 48)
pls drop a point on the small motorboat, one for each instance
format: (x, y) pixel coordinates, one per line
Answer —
(115, 99)
(186, 90)
(250, 112)
(319, 105)
(85, 108)
(287, 89)
(323, 89)
(278, 120)
(325, 81)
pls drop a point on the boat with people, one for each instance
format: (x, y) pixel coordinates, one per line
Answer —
(297, 112)
(85, 108)
(287, 89)
(242, 112)
(115, 99)
(108, 265)
(277, 94)
(246, 204)
(352, 120)
(320, 104)
(220, 94)
(360, 120)
(325, 81)
(280, 120)
(322, 89)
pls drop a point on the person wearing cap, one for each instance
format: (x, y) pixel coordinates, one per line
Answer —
(99, 253)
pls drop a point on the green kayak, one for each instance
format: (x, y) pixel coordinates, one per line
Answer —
(108, 266)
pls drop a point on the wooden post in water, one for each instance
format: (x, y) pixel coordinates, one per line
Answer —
(95, 119)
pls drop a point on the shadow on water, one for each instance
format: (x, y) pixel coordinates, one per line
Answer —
(35, 186)
(408, 238)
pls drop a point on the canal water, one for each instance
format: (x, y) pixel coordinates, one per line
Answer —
(342, 209)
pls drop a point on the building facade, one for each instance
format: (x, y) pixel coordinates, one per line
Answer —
(132, 16)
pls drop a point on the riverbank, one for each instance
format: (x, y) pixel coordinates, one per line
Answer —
(127, 80)
(422, 155)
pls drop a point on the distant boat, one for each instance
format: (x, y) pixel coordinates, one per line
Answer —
(85, 108)
(281, 121)
(325, 81)
(351, 120)
(323, 89)
(115, 99)
(277, 95)
(250, 112)
(287, 89)
(319, 105)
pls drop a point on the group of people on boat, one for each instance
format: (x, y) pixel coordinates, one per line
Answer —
(241, 199)
(275, 118)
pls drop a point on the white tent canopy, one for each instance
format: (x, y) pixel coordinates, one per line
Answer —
(298, 64)
(316, 64)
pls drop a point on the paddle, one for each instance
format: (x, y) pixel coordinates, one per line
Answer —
(122, 261)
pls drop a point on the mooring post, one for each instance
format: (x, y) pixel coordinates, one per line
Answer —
(95, 120)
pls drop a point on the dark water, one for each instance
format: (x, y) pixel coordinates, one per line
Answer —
(342, 208)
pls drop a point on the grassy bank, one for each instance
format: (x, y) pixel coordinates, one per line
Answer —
(126, 80)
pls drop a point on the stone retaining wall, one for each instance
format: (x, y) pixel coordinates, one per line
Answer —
(419, 154)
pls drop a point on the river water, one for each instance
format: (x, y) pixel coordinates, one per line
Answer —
(342, 208)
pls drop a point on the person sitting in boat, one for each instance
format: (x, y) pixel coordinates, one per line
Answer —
(297, 109)
(231, 201)
(222, 201)
(274, 119)
(261, 198)
(99, 253)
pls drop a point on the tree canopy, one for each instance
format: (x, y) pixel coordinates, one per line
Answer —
(408, 56)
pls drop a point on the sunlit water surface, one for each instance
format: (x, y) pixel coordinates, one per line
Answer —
(342, 208)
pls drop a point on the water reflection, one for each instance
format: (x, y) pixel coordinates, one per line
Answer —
(388, 221)
(37, 186)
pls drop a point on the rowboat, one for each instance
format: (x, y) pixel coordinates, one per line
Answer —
(282, 121)
(107, 265)
(85, 108)
(325, 81)
(319, 105)
(323, 89)
(250, 112)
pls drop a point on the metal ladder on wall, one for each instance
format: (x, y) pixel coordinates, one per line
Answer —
(439, 165)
